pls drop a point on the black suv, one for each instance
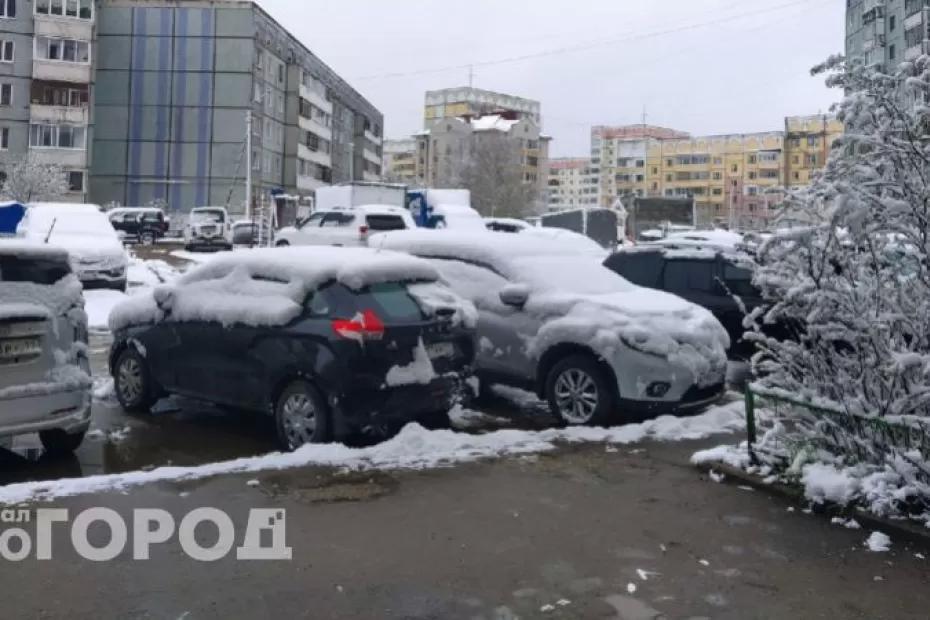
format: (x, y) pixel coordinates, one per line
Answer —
(353, 360)
(143, 225)
(708, 278)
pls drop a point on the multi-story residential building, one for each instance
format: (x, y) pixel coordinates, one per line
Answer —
(808, 140)
(573, 183)
(469, 102)
(446, 147)
(733, 178)
(621, 153)
(47, 55)
(177, 80)
(886, 33)
(400, 161)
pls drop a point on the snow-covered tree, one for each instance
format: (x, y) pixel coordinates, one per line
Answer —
(853, 287)
(493, 172)
(31, 181)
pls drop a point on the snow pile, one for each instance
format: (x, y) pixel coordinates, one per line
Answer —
(100, 304)
(434, 297)
(878, 542)
(413, 448)
(823, 482)
(266, 286)
(419, 371)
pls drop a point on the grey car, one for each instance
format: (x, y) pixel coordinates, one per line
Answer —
(554, 320)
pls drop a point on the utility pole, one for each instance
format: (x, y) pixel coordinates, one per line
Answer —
(248, 159)
(471, 76)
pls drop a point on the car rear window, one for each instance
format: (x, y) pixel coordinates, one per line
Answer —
(690, 275)
(385, 222)
(390, 301)
(739, 281)
(33, 269)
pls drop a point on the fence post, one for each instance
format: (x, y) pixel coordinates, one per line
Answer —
(751, 424)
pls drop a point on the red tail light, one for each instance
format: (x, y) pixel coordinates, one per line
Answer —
(365, 326)
(363, 233)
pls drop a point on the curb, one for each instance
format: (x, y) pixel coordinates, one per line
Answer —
(901, 530)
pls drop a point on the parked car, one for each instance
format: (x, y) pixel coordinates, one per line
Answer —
(345, 227)
(556, 321)
(328, 341)
(96, 253)
(45, 385)
(245, 233)
(139, 225)
(716, 280)
(208, 228)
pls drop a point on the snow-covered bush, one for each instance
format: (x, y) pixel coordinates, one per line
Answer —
(851, 290)
(30, 180)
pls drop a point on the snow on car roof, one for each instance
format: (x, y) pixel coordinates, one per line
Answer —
(717, 238)
(71, 207)
(476, 246)
(266, 286)
(22, 247)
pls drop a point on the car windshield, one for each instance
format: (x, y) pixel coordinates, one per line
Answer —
(568, 273)
(207, 217)
(86, 224)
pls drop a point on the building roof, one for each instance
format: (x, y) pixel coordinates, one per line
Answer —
(493, 122)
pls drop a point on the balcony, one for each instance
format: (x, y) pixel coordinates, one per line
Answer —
(307, 184)
(59, 71)
(372, 137)
(913, 52)
(317, 157)
(371, 156)
(64, 27)
(913, 21)
(316, 99)
(66, 158)
(315, 127)
(56, 114)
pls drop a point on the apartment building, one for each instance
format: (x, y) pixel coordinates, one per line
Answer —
(178, 80)
(886, 33)
(620, 153)
(47, 53)
(400, 161)
(573, 183)
(808, 140)
(469, 102)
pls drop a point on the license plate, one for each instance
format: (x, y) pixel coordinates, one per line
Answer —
(20, 348)
(439, 350)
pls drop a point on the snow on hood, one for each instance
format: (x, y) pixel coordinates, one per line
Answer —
(262, 287)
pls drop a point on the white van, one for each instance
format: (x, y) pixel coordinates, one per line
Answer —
(208, 228)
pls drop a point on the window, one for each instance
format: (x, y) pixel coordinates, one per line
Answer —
(65, 50)
(641, 268)
(6, 94)
(76, 181)
(690, 275)
(734, 168)
(892, 24)
(813, 141)
(56, 136)
(752, 159)
(6, 51)
(8, 9)
(891, 52)
(4, 138)
(335, 219)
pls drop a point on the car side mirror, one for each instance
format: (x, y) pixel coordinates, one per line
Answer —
(515, 295)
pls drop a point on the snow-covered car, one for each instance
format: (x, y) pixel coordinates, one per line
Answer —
(345, 227)
(558, 322)
(97, 255)
(458, 217)
(208, 228)
(144, 225)
(328, 341)
(45, 383)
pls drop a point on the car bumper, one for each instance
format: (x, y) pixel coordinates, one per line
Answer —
(68, 410)
(694, 400)
(380, 411)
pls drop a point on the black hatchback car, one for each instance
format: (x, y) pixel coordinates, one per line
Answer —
(706, 277)
(331, 342)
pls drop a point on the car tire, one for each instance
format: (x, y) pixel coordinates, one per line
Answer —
(132, 382)
(60, 443)
(281, 244)
(147, 238)
(579, 392)
(296, 405)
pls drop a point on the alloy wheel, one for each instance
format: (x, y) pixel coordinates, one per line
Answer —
(299, 420)
(130, 380)
(576, 396)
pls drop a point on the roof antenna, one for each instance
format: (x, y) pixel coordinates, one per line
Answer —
(50, 229)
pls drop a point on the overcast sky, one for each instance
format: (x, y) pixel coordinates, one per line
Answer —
(704, 66)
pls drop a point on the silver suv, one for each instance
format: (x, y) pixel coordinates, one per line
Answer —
(553, 319)
(45, 383)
